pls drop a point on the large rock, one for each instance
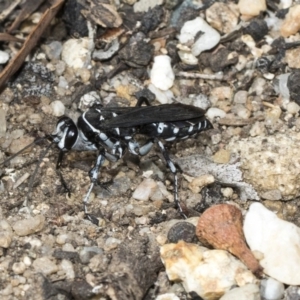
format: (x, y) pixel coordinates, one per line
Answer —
(277, 240)
(271, 164)
(209, 273)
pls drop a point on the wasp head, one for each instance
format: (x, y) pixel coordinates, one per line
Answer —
(66, 134)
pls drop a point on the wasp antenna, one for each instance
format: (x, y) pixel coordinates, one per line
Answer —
(22, 150)
(42, 155)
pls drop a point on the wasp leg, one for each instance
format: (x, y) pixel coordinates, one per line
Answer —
(94, 180)
(173, 169)
(58, 170)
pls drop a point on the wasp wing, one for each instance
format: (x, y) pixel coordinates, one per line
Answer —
(136, 116)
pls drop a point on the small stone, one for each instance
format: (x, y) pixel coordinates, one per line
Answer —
(240, 97)
(88, 252)
(294, 86)
(292, 293)
(214, 112)
(247, 292)
(253, 8)
(76, 53)
(99, 263)
(58, 108)
(164, 97)
(18, 268)
(257, 29)
(223, 17)
(167, 296)
(145, 5)
(53, 50)
(29, 226)
(277, 240)
(187, 57)
(162, 75)
(2, 122)
(45, 265)
(87, 100)
(4, 57)
(198, 183)
(112, 243)
(35, 119)
(182, 231)
(6, 234)
(209, 273)
(291, 23)
(207, 40)
(145, 190)
(62, 238)
(221, 157)
(293, 108)
(280, 85)
(67, 267)
(272, 195)
(271, 289)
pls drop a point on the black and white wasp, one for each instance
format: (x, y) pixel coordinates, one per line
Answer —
(112, 130)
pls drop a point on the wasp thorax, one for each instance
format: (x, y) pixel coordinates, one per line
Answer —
(66, 133)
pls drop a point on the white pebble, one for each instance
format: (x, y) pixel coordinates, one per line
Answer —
(145, 190)
(215, 112)
(168, 296)
(293, 108)
(29, 226)
(45, 265)
(4, 57)
(271, 289)
(252, 8)
(87, 100)
(187, 57)
(76, 53)
(18, 268)
(58, 108)
(207, 40)
(162, 75)
(280, 85)
(67, 267)
(164, 97)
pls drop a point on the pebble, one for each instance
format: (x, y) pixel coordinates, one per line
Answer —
(53, 50)
(292, 58)
(145, 190)
(277, 240)
(35, 119)
(76, 53)
(246, 292)
(164, 97)
(223, 17)
(4, 57)
(280, 85)
(187, 57)
(88, 252)
(45, 265)
(6, 234)
(112, 243)
(209, 273)
(107, 53)
(291, 23)
(162, 75)
(252, 8)
(62, 238)
(198, 183)
(29, 226)
(215, 112)
(293, 108)
(207, 40)
(292, 293)
(182, 231)
(58, 108)
(18, 268)
(271, 289)
(68, 268)
(88, 99)
(167, 296)
(145, 5)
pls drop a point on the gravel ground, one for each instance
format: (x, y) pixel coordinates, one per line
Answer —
(49, 250)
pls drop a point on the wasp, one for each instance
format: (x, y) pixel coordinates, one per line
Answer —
(111, 131)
